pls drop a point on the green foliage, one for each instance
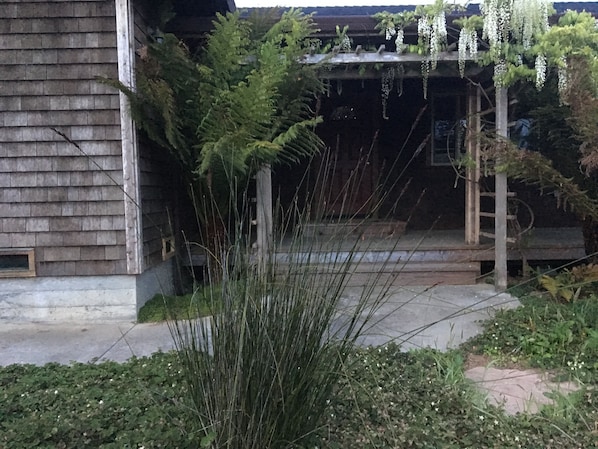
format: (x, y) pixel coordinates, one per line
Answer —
(547, 334)
(390, 399)
(108, 405)
(575, 35)
(394, 21)
(193, 305)
(244, 100)
(568, 284)
(255, 96)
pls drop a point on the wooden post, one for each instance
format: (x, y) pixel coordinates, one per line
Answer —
(500, 219)
(263, 186)
(472, 173)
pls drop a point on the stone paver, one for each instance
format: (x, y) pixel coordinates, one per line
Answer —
(518, 391)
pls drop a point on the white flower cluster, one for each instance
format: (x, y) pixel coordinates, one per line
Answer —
(432, 30)
(399, 37)
(497, 20)
(563, 75)
(400, 40)
(529, 18)
(389, 32)
(500, 70)
(468, 40)
(540, 71)
(345, 44)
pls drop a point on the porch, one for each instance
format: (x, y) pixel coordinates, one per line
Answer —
(429, 257)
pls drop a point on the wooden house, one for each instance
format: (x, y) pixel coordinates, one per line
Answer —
(87, 210)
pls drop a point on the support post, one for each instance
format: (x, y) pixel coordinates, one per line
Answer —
(472, 173)
(500, 219)
(263, 185)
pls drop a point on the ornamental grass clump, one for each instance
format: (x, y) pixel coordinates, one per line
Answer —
(261, 371)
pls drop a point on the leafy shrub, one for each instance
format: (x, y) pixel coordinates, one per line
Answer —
(568, 284)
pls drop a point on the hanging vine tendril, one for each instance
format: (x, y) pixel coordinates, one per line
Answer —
(388, 77)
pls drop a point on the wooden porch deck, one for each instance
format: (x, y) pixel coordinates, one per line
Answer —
(432, 257)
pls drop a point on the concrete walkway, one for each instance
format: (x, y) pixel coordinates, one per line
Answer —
(440, 317)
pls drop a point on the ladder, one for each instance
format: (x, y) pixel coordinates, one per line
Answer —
(482, 214)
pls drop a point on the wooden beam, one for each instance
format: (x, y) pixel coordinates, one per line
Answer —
(377, 57)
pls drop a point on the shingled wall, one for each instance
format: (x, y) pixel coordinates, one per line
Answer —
(66, 205)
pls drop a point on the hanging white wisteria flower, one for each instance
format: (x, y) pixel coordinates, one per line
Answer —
(540, 71)
(400, 71)
(433, 34)
(497, 16)
(345, 43)
(389, 33)
(468, 41)
(529, 19)
(563, 77)
(388, 77)
(500, 70)
(400, 41)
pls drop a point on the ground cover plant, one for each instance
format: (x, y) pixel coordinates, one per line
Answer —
(110, 405)
(384, 398)
(546, 333)
(197, 304)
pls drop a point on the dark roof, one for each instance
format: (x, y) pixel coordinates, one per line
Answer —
(202, 8)
(471, 9)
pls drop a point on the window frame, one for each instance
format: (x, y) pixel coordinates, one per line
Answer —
(19, 272)
(441, 156)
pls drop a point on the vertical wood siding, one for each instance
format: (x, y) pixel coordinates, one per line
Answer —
(65, 204)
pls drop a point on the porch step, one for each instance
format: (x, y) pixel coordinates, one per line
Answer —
(418, 273)
(410, 273)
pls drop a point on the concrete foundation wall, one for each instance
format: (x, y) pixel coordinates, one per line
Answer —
(159, 279)
(81, 298)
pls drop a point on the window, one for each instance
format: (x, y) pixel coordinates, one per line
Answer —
(17, 263)
(168, 247)
(448, 128)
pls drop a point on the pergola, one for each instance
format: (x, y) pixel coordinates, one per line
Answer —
(344, 66)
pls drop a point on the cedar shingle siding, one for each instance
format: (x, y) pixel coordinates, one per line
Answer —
(53, 198)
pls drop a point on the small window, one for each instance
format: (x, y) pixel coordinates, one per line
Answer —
(17, 263)
(449, 128)
(168, 247)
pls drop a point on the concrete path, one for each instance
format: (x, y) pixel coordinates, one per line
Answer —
(441, 317)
